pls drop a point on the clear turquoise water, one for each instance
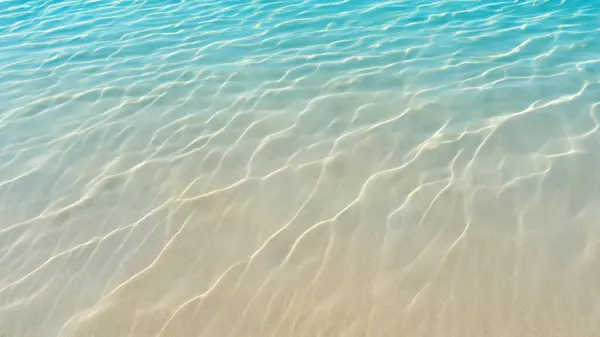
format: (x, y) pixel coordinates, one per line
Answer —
(299, 168)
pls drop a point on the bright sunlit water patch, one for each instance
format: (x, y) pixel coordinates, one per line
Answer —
(299, 168)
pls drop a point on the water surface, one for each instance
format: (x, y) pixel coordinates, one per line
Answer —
(299, 168)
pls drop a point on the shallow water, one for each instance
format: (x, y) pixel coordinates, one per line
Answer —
(299, 168)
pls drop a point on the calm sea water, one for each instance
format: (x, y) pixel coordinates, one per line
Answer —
(299, 168)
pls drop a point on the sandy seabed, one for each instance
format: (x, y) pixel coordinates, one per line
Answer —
(235, 169)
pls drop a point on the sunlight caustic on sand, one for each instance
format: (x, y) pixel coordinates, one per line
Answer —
(299, 168)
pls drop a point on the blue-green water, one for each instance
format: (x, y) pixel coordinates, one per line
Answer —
(299, 168)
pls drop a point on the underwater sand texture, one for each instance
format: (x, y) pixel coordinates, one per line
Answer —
(299, 168)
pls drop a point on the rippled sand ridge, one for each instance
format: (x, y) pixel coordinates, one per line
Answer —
(299, 168)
